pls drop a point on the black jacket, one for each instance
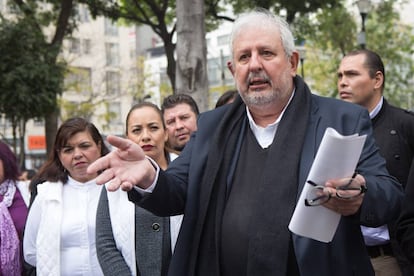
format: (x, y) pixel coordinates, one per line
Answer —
(394, 133)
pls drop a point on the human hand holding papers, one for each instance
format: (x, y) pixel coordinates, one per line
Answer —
(337, 157)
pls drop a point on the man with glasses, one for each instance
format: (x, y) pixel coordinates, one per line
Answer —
(238, 178)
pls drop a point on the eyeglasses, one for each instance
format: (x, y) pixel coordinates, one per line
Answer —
(317, 196)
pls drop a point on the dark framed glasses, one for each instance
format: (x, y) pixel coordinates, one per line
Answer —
(317, 195)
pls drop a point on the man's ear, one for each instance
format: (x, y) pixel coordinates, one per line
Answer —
(294, 61)
(230, 66)
(379, 80)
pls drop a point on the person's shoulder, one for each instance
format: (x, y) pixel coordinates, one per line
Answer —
(49, 189)
(336, 104)
(213, 115)
(216, 111)
(47, 184)
(400, 117)
(401, 111)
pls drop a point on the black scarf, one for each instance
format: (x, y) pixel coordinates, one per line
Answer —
(278, 189)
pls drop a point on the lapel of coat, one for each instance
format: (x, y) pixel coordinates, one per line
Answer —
(310, 145)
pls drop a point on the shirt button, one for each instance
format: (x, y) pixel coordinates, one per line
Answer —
(156, 226)
(393, 132)
(397, 156)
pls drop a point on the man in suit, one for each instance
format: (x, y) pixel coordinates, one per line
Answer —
(361, 80)
(238, 178)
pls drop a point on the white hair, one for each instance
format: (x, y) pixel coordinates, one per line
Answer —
(264, 18)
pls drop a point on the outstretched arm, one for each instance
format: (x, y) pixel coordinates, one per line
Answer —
(124, 167)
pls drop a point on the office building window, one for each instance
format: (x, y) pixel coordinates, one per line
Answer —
(86, 46)
(113, 83)
(74, 47)
(115, 113)
(83, 14)
(78, 79)
(110, 27)
(112, 54)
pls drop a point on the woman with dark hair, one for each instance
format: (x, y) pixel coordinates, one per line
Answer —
(60, 230)
(14, 198)
(129, 239)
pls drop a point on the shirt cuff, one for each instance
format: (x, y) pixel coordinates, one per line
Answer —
(152, 186)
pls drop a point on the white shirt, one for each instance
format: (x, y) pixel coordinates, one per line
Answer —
(265, 135)
(79, 203)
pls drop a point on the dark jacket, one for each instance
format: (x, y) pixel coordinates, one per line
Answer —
(178, 190)
(394, 133)
(405, 224)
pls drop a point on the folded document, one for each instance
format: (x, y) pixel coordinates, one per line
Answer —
(337, 157)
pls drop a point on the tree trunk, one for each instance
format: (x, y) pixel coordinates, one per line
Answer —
(51, 126)
(22, 153)
(171, 65)
(51, 120)
(191, 73)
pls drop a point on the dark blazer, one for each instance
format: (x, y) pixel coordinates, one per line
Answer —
(405, 224)
(178, 190)
(394, 133)
(400, 162)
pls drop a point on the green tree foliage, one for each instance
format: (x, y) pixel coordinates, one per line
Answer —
(292, 8)
(327, 36)
(331, 33)
(41, 15)
(394, 42)
(28, 84)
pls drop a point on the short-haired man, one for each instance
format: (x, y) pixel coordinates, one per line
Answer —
(180, 113)
(361, 80)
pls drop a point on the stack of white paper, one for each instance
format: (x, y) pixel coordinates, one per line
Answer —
(337, 157)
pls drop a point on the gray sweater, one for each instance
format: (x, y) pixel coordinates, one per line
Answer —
(152, 242)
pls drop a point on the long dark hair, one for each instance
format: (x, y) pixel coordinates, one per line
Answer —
(10, 167)
(53, 169)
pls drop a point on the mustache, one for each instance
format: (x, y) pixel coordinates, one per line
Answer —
(257, 75)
